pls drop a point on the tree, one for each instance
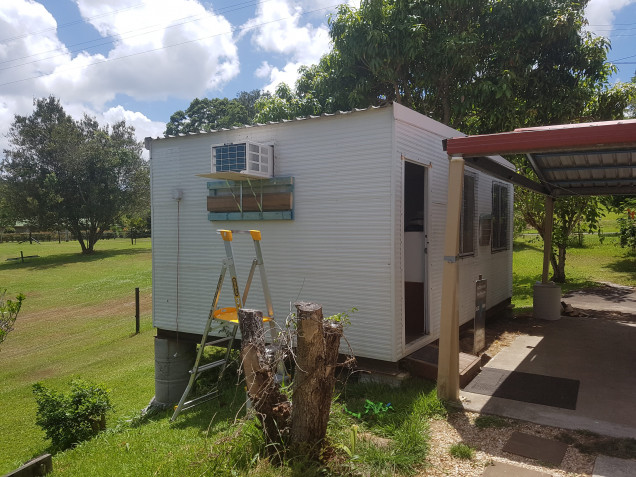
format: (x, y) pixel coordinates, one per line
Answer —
(569, 213)
(478, 66)
(73, 174)
(214, 113)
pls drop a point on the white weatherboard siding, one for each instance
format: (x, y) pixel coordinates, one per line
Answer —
(344, 247)
(419, 139)
(333, 253)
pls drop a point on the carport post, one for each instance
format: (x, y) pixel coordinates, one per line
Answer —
(547, 237)
(448, 362)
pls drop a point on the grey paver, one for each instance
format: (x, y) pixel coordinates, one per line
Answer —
(500, 469)
(535, 447)
(612, 467)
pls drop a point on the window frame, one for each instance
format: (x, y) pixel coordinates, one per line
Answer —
(500, 217)
(472, 213)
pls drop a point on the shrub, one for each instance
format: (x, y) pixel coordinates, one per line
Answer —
(9, 310)
(462, 451)
(627, 232)
(70, 418)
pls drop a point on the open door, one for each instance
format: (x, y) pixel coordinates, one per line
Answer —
(415, 252)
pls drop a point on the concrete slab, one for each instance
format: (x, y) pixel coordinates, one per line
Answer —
(612, 467)
(599, 353)
(535, 447)
(501, 469)
(609, 298)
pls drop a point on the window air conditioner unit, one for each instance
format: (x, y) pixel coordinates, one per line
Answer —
(243, 161)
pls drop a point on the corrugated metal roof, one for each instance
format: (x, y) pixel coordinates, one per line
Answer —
(247, 126)
(569, 159)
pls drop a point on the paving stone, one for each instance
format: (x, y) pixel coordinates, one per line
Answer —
(500, 469)
(612, 467)
(539, 448)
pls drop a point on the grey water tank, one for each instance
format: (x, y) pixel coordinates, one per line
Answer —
(546, 303)
(173, 361)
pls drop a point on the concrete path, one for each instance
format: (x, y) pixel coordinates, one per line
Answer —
(601, 354)
(610, 298)
(501, 469)
(613, 467)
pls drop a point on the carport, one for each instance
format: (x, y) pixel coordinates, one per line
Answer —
(570, 159)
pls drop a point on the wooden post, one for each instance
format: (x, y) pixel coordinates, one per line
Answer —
(137, 311)
(448, 367)
(316, 357)
(269, 402)
(21, 256)
(547, 237)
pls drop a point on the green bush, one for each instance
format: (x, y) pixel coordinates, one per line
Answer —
(9, 310)
(70, 418)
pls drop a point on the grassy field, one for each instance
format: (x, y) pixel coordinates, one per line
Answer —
(78, 321)
(586, 266)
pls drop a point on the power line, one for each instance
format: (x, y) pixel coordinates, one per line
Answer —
(65, 25)
(110, 39)
(107, 60)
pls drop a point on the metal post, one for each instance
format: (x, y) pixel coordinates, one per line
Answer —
(136, 310)
(547, 237)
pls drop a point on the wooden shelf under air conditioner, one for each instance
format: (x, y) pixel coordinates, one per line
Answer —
(262, 199)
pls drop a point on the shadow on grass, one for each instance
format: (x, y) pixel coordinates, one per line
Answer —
(533, 244)
(523, 285)
(626, 265)
(52, 261)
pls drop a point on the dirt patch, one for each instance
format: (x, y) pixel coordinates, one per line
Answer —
(108, 308)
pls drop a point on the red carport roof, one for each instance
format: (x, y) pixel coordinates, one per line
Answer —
(581, 159)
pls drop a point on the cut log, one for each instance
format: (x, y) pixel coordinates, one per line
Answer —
(269, 402)
(316, 357)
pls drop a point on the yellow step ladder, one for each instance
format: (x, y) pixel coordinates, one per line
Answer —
(227, 316)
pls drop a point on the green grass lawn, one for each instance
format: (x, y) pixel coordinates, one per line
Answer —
(585, 266)
(78, 321)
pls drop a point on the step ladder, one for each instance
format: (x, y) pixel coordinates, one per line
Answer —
(228, 316)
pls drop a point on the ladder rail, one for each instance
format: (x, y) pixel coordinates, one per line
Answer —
(239, 301)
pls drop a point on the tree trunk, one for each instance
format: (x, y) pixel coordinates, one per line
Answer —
(269, 402)
(316, 356)
(558, 265)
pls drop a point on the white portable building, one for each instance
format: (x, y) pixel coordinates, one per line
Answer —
(352, 210)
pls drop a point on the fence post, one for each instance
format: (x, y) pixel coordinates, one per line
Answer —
(137, 311)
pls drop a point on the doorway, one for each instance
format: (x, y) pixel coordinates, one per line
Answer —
(415, 252)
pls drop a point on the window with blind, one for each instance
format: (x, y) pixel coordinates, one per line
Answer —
(467, 222)
(500, 218)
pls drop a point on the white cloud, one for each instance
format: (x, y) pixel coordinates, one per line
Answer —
(288, 75)
(161, 48)
(280, 27)
(602, 13)
(264, 70)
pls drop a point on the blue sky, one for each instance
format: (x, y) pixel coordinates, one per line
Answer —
(141, 60)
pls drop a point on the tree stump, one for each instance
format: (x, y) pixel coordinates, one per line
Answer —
(269, 402)
(316, 357)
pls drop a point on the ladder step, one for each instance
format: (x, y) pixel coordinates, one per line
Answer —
(199, 400)
(212, 365)
(218, 341)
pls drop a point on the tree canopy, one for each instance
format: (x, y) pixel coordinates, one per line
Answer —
(59, 172)
(475, 65)
(214, 113)
(480, 66)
